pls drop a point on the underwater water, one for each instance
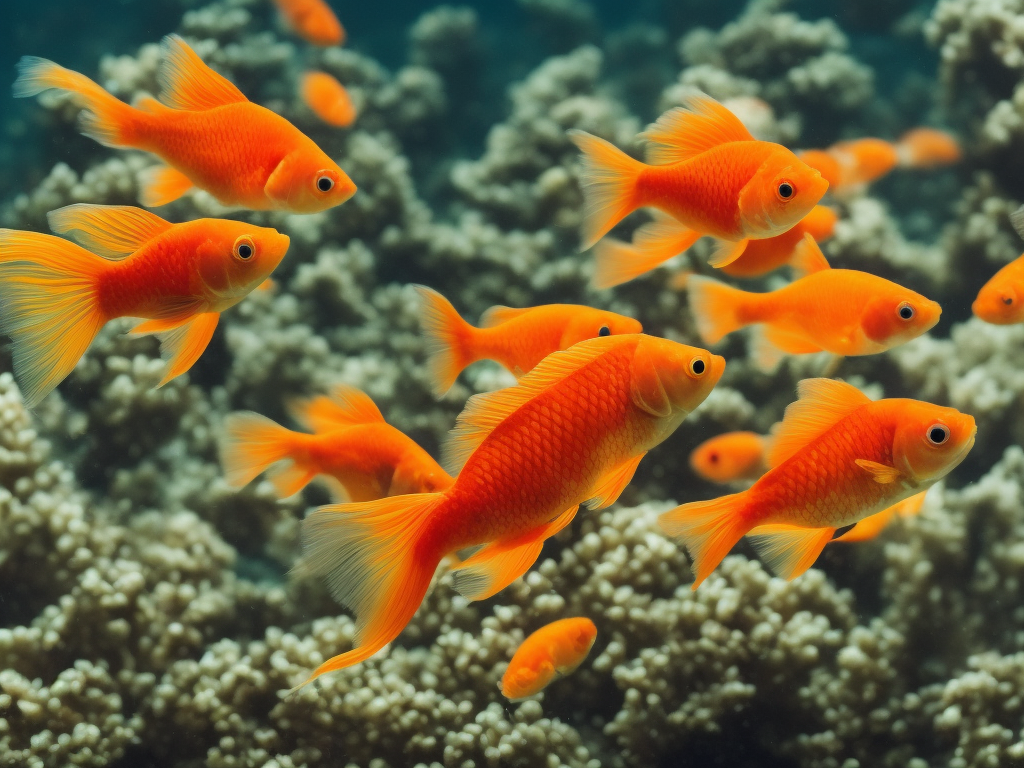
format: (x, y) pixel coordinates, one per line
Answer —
(169, 576)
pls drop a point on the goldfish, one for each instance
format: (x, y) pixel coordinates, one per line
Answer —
(328, 99)
(360, 455)
(841, 311)
(871, 526)
(313, 21)
(516, 338)
(730, 457)
(208, 134)
(654, 243)
(1001, 300)
(556, 648)
(573, 430)
(836, 458)
(706, 171)
(55, 296)
(927, 148)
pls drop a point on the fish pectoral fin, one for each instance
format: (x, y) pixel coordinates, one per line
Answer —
(769, 344)
(653, 244)
(869, 527)
(501, 562)
(880, 472)
(182, 345)
(789, 550)
(344, 407)
(807, 257)
(727, 251)
(821, 405)
(700, 124)
(161, 184)
(188, 83)
(110, 231)
(610, 485)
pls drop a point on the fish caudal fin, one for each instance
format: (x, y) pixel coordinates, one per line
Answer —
(708, 530)
(608, 177)
(789, 550)
(653, 244)
(449, 339)
(161, 184)
(49, 307)
(374, 561)
(252, 444)
(106, 119)
(344, 407)
(715, 307)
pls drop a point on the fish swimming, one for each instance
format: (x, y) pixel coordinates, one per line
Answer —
(573, 430)
(1001, 300)
(730, 457)
(361, 456)
(557, 648)
(328, 99)
(707, 172)
(836, 458)
(516, 338)
(313, 21)
(842, 311)
(871, 526)
(208, 134)
(55, 296)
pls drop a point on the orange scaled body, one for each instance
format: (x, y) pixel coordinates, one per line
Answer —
(572, 430)
(871, 526)
(207, 132)
(361, 456)
(557, 648)
(328, 99)
(517, 338)
(835, 459)
(1001, 300)
(55, 296)
(730, 457)
(313, 21)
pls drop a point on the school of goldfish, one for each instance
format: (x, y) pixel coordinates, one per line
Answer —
(594, 393)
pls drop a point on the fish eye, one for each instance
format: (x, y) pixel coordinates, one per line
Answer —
(1008, 300)
(244, 248)
(698, 366)
(785, 190)
(905, 311)
(324, 183)
(713, 458)
(605, 331)
(938, 434)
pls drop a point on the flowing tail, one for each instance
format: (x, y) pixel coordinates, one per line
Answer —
(708, 530)
(106, 119)
(377, 562)
(716, 307)
(49, 307)
(252, 444)
(609, 178)
(449, 339)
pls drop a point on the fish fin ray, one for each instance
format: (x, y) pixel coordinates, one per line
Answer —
(251, 444)
(448, 339)
(881, 473)
(653, 244)
(182, 345)
(821, 404)
(499, 314)
(807, 257)
(714, 307)
(344, 407)
(161, 184)
(684, 132)
(110, 231)
(608, 179)
(769, 345)
(187, 82)
(610, 486)
(726, 252)
(708, 530)
(789, 550)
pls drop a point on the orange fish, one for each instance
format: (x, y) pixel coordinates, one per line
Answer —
(328, 99)
(516, 338)
(841, 311)
(871, 526)
(56, 296)
(572, 430)
(207, 132)
(665, 237)
(557, 648)
(707, 172)
(836, 458)
(927, 148)
(1001, 300)
(730, 457)
(313, 21)
(352, 447)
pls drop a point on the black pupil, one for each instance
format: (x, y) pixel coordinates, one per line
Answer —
(1007, 301)
(698, 366)
(324, 184)
(937, 435)
(714, 458)
(605, 331)
(785, 190)
(244, 251)
(906, 313)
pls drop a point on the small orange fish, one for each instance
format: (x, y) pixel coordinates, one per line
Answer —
(836, 458)
(362, 456)
(707, 172)
(841, 311)
(927, 148)
(56, 296)
(871, 526)
(516, 338)
(557, 648)
(665, 237)
(207, 132)
(328, 99)
(730, 457)
(574, 429)
(1001, 300)
(313, 21)
(825, 163)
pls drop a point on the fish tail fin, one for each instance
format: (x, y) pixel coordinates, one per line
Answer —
(376, 561)
(609, 179)
(449, 339)
(708, 530)
(253, 444)
(49, 307)
(106, 119)
(715, 307)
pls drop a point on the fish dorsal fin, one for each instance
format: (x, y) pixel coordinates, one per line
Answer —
(344, 407)
(822, 403)
(499, 314)
(110, 231)
(807, 257)
(610, 486)
(788, 549)
(484, 412)
(700, 124)
(186, 81)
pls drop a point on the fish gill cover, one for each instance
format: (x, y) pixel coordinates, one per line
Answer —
(147, 614)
